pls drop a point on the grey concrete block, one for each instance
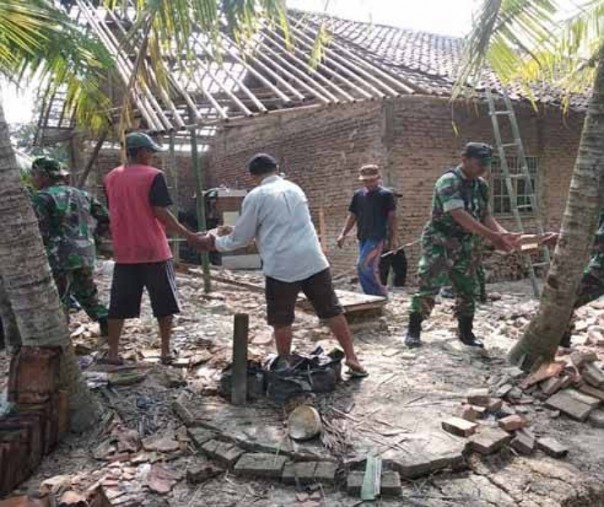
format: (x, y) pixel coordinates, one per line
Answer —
(260, 465)
(488, 440)
(326, 472)
(302, 472)
(552, 447)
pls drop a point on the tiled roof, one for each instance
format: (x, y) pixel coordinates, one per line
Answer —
(426, 60)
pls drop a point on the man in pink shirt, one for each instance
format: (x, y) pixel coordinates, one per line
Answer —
(138, 200)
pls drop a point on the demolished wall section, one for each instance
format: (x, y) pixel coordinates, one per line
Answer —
(414, 138)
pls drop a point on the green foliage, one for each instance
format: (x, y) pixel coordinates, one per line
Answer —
(526, 41)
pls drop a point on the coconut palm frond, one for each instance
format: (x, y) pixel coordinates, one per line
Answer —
(505, 34)
(39, 40)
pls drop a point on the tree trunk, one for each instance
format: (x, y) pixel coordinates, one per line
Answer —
(29, 286)
(545, 330)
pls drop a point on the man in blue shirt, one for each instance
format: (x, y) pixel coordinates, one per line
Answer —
(373, 210)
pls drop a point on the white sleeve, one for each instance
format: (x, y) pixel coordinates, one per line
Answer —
(244, 230)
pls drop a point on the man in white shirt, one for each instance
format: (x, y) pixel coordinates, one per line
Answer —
(276, 215)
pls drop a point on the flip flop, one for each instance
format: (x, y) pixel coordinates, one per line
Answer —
(356, 373)
(167, 360)
(113, 362)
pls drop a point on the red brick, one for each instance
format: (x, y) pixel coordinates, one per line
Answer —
(33, 374)
(459, 427)
(512, 422)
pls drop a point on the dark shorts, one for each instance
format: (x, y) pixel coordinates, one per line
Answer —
(281, 298)
(127, 289)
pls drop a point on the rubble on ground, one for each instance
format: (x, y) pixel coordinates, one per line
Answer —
(145, 453)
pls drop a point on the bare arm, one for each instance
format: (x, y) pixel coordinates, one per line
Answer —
(351, 220)
(169, 221)
(393, 229)
(493, 224)
(470, 224)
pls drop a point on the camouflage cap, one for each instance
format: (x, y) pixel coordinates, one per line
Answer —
(481, 151)
(49, 167)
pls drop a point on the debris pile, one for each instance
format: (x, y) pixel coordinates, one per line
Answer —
(38, 414)
(494, 417)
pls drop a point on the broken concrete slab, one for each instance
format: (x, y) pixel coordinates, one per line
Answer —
(472, 412)
(458, 426)
(581, 358)
(551, 385)
(593, 375)
(488, 440)
(201, 473)
(583, 398)
(552, 447)
(390, 483)
(592, 391)
(504, 390)
(200, 436)
(596, 419)
(513, 372)
(225, 453)
(259, 464)
(512, 422)
(523, 442)
(418, 462)
(478, 396)
(302, 472)
(326, 472)
(569, 405)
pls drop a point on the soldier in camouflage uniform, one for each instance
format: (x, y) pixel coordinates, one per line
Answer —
(592, 283)
(69, 219)
(460, 214)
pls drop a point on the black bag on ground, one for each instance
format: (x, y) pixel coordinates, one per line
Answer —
(256, 382)
(317, 372)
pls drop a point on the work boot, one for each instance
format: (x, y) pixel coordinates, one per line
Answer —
(104, 325)
(414, 331)
(465, 333)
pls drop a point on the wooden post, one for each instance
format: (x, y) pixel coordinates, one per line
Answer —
(201, 208)
(95, 153)
(173, 171)
(239, 378)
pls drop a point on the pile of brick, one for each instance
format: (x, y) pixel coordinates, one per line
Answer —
(39, 418)
(575, 388)
(490, 423)
(493, 418)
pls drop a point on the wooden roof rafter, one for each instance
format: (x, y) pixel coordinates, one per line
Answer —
(266, 76)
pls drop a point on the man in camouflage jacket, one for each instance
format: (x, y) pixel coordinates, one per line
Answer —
(591, 286)
(460, 214)
(69, 219)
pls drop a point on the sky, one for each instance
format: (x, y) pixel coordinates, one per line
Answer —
(437, 16)
(446, 17)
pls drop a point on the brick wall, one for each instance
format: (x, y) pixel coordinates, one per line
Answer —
(185, 185)
(414, 138)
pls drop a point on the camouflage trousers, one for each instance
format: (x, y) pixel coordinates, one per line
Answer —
(590, 289)
(443, 261)
(80, 283)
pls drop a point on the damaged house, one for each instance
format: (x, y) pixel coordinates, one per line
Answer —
(379, 95)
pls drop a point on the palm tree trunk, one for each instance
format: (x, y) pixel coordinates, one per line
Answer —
(545, 330)
(29, 286)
